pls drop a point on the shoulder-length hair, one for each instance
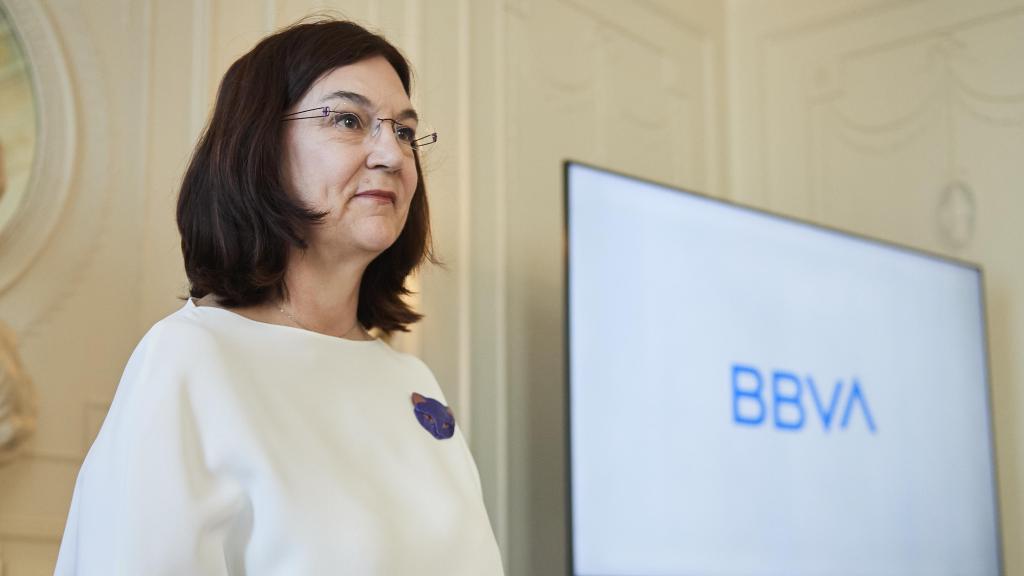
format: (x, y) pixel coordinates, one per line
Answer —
(237, 221)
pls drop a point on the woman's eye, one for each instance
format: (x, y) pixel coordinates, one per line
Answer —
(348, 121)
(406, 134)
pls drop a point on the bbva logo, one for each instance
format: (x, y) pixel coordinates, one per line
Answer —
(749, 406)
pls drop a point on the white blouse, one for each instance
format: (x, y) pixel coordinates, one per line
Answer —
(238, 447)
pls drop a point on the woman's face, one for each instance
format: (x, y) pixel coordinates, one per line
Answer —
(363, 178)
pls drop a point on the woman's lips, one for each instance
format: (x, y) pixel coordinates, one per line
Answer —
(380, 195)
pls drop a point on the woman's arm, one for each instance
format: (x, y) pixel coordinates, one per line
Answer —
(145, 502)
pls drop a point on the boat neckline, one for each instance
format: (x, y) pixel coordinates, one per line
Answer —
(191, 304)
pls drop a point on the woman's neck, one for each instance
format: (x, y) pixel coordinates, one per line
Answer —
(323, 296)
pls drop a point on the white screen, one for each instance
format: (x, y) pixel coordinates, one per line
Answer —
(750, 395)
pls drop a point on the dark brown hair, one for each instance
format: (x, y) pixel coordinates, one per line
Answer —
(236, 220)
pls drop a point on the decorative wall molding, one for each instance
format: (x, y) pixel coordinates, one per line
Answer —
(31, 528)
(62, 261)
(49, 184)
(932, 115)
(18, 402)
(955, 216)
(71, 459)
(51, 243)
(796, 64)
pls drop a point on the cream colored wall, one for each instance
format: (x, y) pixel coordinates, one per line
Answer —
(782, 104)
(634, 86)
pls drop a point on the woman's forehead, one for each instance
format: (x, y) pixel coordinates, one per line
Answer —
(373, 81)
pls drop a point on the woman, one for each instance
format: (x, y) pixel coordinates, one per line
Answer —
(260, 429)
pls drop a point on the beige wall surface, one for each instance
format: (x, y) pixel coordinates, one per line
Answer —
(632, 86)
(901, 119)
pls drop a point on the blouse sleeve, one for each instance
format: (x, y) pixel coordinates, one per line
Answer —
(145, 501)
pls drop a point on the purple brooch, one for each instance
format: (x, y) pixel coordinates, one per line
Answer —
(434, 416)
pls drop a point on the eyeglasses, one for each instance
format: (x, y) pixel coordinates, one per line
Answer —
(354, 127)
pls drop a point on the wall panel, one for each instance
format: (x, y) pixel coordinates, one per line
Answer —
(622, 85)
(74, 306)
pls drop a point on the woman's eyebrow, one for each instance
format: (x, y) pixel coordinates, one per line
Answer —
(355, 97)
(359, 99)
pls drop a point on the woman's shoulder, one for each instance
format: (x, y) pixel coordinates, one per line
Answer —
(182, 341)
(184, 328)
(167, 338)
(416, 373)
(160, 365)
(398, 356)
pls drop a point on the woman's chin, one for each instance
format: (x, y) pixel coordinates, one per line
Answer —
(378, 241)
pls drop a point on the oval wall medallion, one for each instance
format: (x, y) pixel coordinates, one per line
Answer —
(48, 181)
(956, 215)
(50, 243)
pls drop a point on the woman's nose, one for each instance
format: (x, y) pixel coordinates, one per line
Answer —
(385, 149)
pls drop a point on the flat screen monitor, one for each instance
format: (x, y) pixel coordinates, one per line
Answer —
(749, 394)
